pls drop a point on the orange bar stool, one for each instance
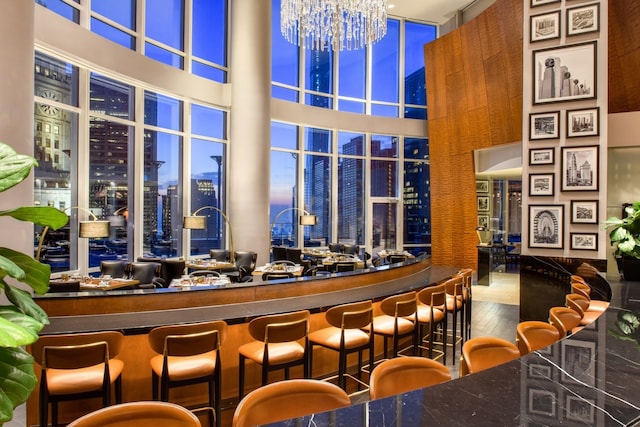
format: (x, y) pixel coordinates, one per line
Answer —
(403, 374)
(585, 290)
(455, 308)
(276, 344)
(346, 334)
(288, 399)
(532, 335)
(188, 354)
(432, 311)
(482, 353)
(581, 304)
(566, 320)
(467, 275)
(139, 414)
(77, 366)
(399, 319)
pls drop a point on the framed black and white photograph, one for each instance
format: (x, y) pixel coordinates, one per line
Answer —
(583, 19)
(541, 156)
(545, 26)
(579, 408)
(584, 122)
(483, 221)
(482, 186)
(535, 3)
(483, 203)
(565, 73)
(539, 371)
(542, 402)
(544, 125)
(580, 168)
(579, 362)
(541, 184)
(584, 241)
(584, 212)
(546, 226)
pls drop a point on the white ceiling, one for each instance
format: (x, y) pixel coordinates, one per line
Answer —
(435, 11)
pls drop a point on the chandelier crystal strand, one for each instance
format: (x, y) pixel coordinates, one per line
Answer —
(333, 24)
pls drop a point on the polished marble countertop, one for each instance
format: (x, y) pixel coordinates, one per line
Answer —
(590, 378)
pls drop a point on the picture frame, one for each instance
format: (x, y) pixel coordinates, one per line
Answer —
(584, 211)
(583, 241)
(544, 125)
(535, 3)
(580, 409)
(483, 221)
(540, 371)
(545, 26)
(482, 186)
(541, 184)
(583, 19)
(580, 168)
(483, 203)
(583, 122)
(541, 156)
(575, 67)
(578, 362)
(546, 226)
(542, 402)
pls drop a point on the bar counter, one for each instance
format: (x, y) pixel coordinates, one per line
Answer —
(136, 312)
(589, 379)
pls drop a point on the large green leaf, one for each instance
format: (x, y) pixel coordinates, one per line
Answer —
(18, 320)
(36, 274)
(14, 167)
(40, 215)
(17, 380)
(22, 299)
(15, 335)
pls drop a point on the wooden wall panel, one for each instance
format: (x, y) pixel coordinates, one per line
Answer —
(482, 76)
(624, 56)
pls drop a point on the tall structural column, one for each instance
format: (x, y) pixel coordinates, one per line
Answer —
(250, 148)
(16, 111)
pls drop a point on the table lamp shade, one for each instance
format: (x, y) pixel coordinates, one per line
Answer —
(194, 222)
(94, 229)
(308, 220)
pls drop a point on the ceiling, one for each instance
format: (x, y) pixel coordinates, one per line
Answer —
(435, 11)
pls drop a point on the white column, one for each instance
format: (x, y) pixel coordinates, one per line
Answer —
(16, 111)
(249, 148)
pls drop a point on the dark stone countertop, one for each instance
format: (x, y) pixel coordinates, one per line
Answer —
(590, 378)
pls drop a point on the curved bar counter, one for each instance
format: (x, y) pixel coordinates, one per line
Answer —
(590, 378)
(136, 312)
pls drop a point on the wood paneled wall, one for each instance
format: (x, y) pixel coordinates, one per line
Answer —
(624, 56)
(474, 99)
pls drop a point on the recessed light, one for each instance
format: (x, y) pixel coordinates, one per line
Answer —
(391, 6)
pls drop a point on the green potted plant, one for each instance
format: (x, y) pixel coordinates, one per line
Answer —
(625, 237)
(20, 317)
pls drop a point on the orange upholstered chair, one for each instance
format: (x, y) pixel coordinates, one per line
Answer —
(482, 353)
(566, 320)
(432, 311)
(77, 366)
(399, 319)
(139, 414)
(455, 309)
(287, 399)
(467, 275)
(581, 304)
(280, 342)
(346, 335)
(402, 374)
(533, 335)
(585, 290)
(188, 354)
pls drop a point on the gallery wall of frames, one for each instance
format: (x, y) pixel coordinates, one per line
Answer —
(564, 127)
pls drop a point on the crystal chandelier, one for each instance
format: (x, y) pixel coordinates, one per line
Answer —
(333, 24)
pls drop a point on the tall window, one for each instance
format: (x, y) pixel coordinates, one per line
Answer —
(415, 90)
(351, 196)
(110, 173)
(284, 185)
(417, 194)
(56, 150)
(208, 176)
(317, 180)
